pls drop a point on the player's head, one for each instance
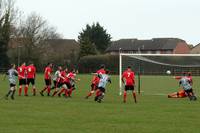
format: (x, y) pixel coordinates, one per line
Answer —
(23, 64)
(73, 70)
(107, 71)
(50, 64)
(189, 74)
(59, 68)
(66, 69)
(183, 73)
(129, 68)
(12, 66)
(31, 63)
(102, 66)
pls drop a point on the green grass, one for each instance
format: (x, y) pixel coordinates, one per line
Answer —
(152, 114)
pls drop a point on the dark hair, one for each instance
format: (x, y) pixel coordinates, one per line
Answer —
(12, 65)
(129, 67)
(107, 71)
(102, 66)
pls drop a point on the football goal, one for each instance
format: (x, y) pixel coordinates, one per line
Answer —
(158, 64)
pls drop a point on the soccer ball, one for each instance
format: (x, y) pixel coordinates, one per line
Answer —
(168, 72)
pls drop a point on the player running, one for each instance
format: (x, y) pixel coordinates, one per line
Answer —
(72, 79)
(57, 80)
(95, 81)
(66, 86)
(22, 79)
(128, 79)
(12, 73)
(187, 87)
(31, 74)
(103, 80)
(47, 78)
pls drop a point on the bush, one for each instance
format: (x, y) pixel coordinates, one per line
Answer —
(88, 64)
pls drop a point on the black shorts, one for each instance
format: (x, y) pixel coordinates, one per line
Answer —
(48, 82)
(129, 87)
(189, 91)
(57, 84)
(102, 89)
(94, 87)
(12, 85)
(22, 81)
(32, 81)
(69, 86)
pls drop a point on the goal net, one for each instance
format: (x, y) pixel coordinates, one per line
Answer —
(158, 64)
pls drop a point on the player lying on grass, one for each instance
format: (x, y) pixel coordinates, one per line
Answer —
(12, 73)
(103, 80)
(95, 81)
(181, 93)
(128, 79)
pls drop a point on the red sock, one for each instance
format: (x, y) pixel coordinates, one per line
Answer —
(70, 91)
(89, 94)
(61, 91)
(34, 91)
(20, 91)
(45, 88)
(134, 96)
(26, 90)
(66, 92)
(98, 93)
(55, 92)
(125, 94)
(48, 90)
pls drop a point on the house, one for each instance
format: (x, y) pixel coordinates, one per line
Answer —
(153, 46)
(196, 49)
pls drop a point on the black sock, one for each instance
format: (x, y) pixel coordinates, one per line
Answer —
(8, 93)
(13, 93)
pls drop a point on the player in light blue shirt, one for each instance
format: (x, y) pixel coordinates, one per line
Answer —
(187, 87)
(104, 79)
(12, 74)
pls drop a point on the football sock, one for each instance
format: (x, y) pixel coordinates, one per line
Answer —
(34, 91)
(8, 93)
(125, 95)
(48, 90)
(66, 92)
(55, 92)
(12, 95)
(61, 91)
(26, 91)
(20, 91)
(134, 96)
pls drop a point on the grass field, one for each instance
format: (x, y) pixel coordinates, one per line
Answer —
(154, 112)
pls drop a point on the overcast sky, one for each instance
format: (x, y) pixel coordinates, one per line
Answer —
(142, 19)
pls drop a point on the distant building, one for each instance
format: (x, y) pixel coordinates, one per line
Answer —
(153, 46)
(196, 49)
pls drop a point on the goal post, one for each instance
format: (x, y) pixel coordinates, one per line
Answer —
(157, 64)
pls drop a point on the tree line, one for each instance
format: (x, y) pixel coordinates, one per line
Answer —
(28, 37)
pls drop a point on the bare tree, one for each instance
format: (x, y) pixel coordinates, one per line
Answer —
(32, 34)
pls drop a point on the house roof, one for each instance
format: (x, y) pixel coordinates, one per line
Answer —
(144, 45)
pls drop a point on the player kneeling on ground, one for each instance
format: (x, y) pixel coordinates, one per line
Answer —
(187, 87)
(104, 79)
(12, 73)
